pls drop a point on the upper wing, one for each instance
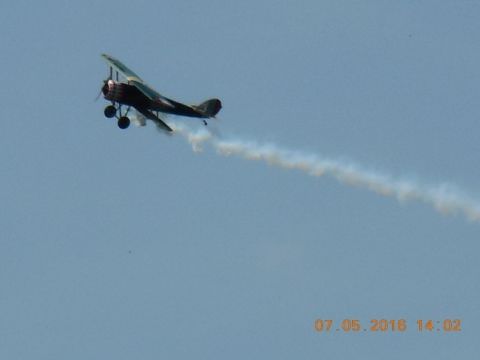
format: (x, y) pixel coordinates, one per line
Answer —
(146, 90)
(132, 78)
(121, 68)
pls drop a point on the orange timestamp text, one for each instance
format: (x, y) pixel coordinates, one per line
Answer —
(387, 325)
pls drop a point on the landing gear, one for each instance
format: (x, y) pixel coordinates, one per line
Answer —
(123, 122)
(110, 111)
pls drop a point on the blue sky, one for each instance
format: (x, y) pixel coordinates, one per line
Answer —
(126, 244)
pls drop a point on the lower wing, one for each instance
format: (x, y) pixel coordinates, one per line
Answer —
(150, 115)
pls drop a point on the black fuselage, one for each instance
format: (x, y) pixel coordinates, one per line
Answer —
(131, 96)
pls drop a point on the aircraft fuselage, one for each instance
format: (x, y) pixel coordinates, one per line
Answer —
(129, 95)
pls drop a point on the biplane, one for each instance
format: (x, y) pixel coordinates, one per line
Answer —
(135, 93)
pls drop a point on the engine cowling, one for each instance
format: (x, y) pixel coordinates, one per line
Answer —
(113, 91)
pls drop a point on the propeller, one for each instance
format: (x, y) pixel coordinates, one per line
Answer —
(102, 88)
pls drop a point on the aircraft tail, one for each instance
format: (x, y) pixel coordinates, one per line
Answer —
(210, 108)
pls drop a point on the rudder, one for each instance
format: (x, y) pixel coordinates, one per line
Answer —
(210, 108)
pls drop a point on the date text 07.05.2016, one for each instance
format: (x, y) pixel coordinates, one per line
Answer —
(388, 325)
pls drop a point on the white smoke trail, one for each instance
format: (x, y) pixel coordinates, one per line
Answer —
(444, 198)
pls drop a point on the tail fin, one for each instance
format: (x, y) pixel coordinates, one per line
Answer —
(210, 108)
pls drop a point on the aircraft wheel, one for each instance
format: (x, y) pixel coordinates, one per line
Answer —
(110, 111)
(123, 122)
